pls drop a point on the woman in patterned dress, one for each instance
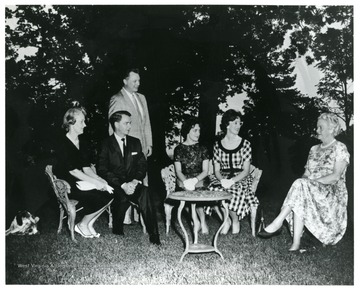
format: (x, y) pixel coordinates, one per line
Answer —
(318, 200)
(192, 166)
(232, 158)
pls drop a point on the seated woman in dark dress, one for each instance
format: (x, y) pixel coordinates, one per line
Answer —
(192, 166)
(73, 165)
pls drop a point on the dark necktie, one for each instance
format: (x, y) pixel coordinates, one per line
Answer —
(124, 149)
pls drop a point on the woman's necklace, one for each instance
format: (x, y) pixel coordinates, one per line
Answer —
(328, 145)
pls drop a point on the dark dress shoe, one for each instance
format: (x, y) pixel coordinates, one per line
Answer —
(266, 235)
(154, 239)
(119, 232)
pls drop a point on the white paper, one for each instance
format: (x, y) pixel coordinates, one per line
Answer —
(85, 185)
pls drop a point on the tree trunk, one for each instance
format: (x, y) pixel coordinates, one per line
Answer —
(208, 110)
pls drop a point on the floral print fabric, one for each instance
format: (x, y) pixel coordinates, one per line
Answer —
(322, 207)
(191, 158)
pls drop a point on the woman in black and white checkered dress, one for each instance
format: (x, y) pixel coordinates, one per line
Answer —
(232, 158)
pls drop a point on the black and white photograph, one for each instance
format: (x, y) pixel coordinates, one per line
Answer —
(181, 144)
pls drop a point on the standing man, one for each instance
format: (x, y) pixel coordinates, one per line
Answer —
(130, 100)
(123, 165)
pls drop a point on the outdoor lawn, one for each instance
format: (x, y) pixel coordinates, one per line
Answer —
(279, 66)
(49, 258)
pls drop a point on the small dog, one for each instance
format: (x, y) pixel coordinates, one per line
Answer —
(24, 223)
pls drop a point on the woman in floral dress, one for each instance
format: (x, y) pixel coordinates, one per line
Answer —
(318, 200)
(232, 158)
(192, 166)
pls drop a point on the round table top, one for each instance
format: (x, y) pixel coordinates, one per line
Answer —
(199, 195)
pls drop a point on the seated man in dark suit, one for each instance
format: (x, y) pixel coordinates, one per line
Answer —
(123, 165)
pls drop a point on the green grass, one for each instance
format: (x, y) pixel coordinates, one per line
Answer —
(50, 258)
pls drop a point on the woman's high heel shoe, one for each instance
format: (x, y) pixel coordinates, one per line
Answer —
(226, 227)
(78, 230)
(266, 235)
(97, 235)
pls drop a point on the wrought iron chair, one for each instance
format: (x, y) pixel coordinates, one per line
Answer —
(169, 178)
(256, 174)
(62, 189)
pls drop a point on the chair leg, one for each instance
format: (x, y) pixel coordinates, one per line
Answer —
(139, 216)
(143, 224)
(108, 209)
(60, 218)
(168, 208)
(217, 210)
(127, 218)
(135, 214)
(253, 219)
(71, 221)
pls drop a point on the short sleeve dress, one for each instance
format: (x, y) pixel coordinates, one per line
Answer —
(322, 207)
(232, 162)
(191, 158)
(69, 157)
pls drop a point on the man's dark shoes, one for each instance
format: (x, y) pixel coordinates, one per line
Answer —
(154, 239)
(118, 231)
(266, 235)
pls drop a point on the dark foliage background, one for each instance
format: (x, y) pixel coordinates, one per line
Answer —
(191, 58)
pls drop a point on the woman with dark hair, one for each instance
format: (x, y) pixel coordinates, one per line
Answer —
(73, 165)
(318, 200)
(192, 166)
(232, 158)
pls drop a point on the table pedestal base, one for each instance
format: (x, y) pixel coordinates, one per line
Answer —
(195, 247)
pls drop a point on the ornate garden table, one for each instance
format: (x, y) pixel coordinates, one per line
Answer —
(200, 196)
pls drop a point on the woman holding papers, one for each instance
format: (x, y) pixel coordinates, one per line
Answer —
(92, 192)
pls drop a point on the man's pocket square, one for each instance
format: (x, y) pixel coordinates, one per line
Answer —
(134, 153)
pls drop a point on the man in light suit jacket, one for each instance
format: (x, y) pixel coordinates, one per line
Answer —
(123, 165)
(128, 99)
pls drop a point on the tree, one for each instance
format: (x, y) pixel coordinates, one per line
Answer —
(191, 58)
(53, 77)
(325, 36)
(39, 88)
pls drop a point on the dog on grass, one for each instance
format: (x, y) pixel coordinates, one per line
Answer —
(24, 223)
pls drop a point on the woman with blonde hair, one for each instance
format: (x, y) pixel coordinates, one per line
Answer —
(318, 200)
(73, 165)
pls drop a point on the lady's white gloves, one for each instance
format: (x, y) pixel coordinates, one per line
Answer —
(190, 183)
(227, 183)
